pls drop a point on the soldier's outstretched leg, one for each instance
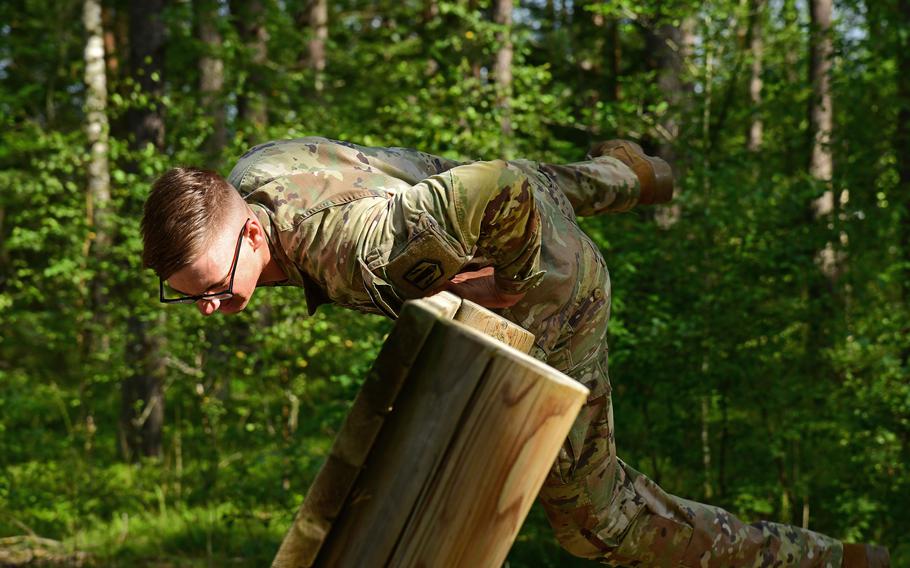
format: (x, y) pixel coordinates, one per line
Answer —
(600, 508)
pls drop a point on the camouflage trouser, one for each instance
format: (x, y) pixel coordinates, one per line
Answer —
(599, 507)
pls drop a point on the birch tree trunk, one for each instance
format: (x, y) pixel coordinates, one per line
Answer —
(98, 196)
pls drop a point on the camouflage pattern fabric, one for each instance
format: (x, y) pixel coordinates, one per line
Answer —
(368, 228)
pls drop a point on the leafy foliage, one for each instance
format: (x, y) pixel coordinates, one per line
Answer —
(735, 379)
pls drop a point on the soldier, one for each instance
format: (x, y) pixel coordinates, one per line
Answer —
(369, 228)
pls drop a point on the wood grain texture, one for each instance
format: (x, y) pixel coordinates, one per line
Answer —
(443, 451)
(409, 449)
(329, 491)
(494, 325)
(471, 511)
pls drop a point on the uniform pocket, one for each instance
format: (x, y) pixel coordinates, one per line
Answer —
(661, 533)
(426, 261)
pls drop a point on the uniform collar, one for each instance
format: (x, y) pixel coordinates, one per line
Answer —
(314, 294)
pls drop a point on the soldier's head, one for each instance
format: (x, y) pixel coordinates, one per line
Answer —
(202, 241)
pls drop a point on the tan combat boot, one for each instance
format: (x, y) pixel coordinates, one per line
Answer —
(865, 556)
(654, 175)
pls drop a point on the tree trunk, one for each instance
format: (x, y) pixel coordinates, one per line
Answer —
(110, 41)
(318, 19)
(502, 70)
(211, 77)
(821, 119)
(249, 19)
(820, 112)
(98, 190)
(615, 57)
(757, 47)
(669, 46)
(142, 402)
(902, 138)
(146, 64)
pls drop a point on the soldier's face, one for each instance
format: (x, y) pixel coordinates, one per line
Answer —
(211, 272)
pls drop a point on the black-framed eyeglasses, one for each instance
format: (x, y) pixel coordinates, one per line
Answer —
(226, 294)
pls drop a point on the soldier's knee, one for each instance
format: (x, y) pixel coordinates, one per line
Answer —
(581, 543)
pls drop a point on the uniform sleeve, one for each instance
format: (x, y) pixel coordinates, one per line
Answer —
(429, 232)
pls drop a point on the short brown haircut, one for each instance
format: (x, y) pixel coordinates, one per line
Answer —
(184, 209)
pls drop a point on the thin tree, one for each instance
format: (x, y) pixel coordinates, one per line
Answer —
(821, 116)
(211, 76)
(502, 70)
(821, 168)
(669, 44)
(757, 48)
(142, 402)
(98, 194)
(249, 20)
(902, 137)
(318, 22)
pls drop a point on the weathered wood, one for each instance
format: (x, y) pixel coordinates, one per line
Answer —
(409, 449)
(497, 327)
(473, 508)
(335, 479)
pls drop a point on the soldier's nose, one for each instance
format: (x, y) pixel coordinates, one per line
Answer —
(208, 307)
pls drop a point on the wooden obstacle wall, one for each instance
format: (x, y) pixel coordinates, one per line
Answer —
(444, 449)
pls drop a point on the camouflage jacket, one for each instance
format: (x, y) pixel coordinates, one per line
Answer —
(368, 228)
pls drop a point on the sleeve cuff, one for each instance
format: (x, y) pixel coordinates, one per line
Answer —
(511, 286)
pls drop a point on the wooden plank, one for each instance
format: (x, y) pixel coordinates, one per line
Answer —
(444, 304)
(494, 325)
(352, 445)
(473, 508)
(410, 447)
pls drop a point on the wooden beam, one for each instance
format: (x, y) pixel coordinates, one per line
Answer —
(483, 320)
(472, 509)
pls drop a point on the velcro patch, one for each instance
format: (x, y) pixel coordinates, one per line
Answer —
(424, 264)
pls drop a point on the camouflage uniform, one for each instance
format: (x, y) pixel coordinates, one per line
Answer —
(368, 228)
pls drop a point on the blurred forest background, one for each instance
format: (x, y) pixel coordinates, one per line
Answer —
(759, 336)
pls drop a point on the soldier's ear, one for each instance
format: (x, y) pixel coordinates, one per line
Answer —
(256, 234)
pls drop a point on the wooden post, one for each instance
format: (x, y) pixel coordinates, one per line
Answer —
(473, 507)
(444, 450)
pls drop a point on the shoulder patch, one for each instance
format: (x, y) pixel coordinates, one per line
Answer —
(424, 263)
